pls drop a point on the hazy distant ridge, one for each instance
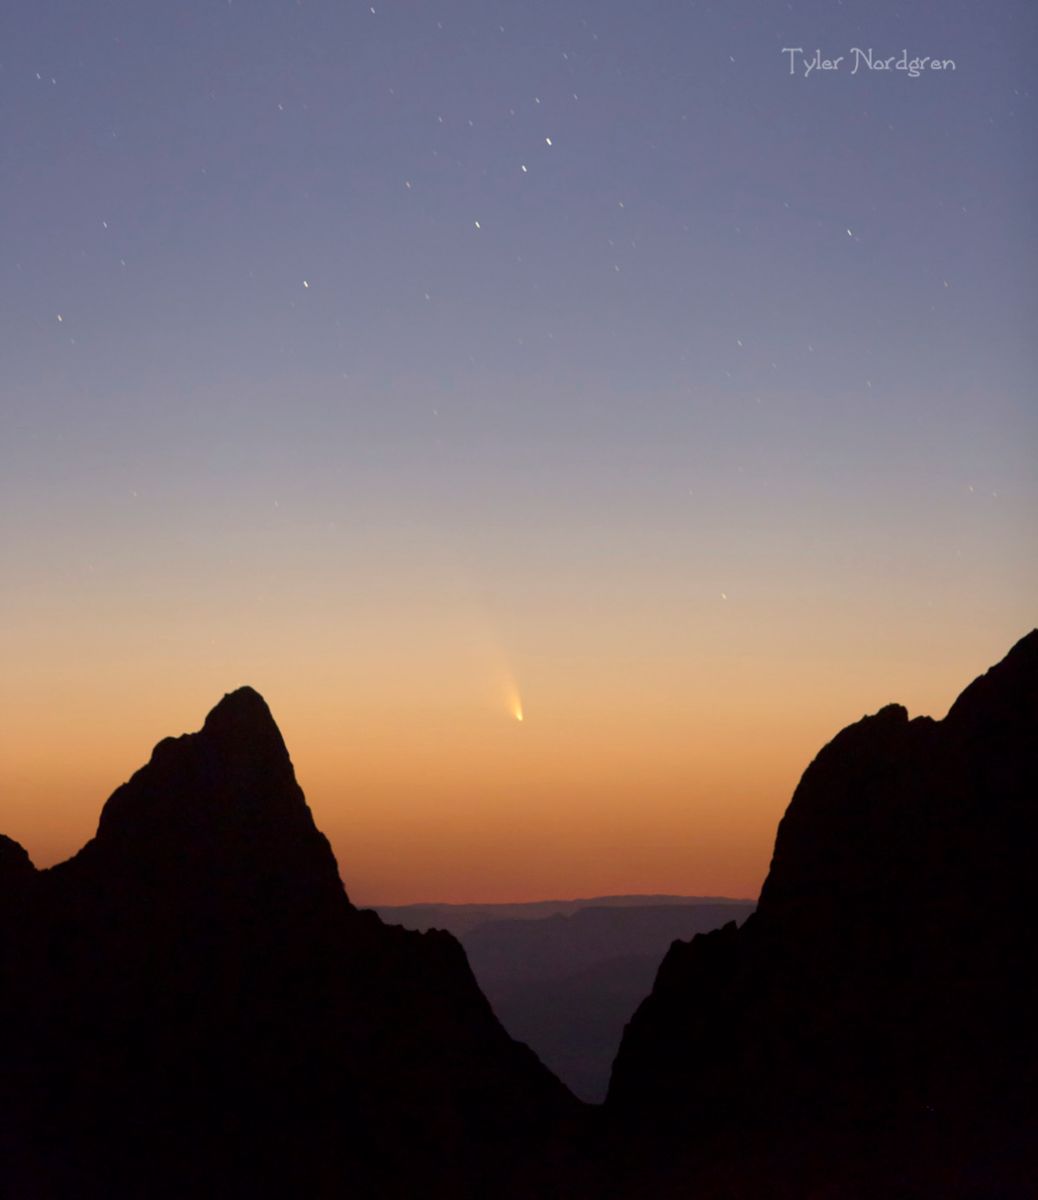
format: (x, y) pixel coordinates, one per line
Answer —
(459, 918)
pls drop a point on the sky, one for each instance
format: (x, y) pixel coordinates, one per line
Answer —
(422, 364)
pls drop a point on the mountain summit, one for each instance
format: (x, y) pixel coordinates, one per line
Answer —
(218, 815)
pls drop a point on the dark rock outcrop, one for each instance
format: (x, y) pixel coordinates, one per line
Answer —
(870, 1030)
(16, 867)
(192, 1007)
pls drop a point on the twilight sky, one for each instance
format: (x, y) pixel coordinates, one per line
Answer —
(402, 359)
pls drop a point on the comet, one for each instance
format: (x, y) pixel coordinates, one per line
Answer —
(513, 701)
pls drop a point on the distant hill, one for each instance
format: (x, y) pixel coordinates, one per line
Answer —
(460, 918)
(566, 983)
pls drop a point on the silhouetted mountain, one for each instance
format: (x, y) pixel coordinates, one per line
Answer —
(567, 984)
(870, 1030)
(192, 1007)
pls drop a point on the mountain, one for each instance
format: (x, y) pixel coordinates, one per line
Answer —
(192, 1007)
(870, 1030)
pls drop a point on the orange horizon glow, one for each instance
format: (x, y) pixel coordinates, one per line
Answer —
(630, 781)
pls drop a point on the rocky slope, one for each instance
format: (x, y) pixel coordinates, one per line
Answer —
(870, 1029)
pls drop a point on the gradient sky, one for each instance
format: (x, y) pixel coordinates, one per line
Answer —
(397, 359)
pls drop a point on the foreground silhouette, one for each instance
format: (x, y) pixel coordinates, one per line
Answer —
(871, 1030)
(191, 1007)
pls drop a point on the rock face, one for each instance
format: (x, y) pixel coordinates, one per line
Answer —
(192, 1007)
(870, 1030)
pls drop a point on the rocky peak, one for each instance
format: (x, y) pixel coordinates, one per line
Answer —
(242, 720)
(1006, 695)
(220, 804)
